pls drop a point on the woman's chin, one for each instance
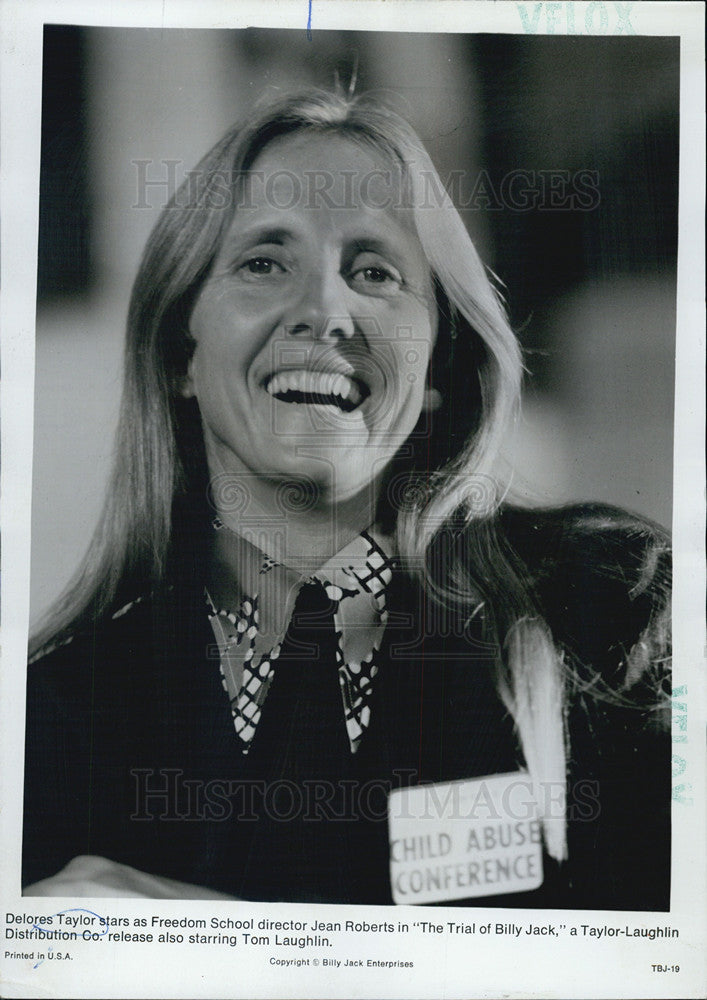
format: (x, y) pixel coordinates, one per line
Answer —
(327, 479)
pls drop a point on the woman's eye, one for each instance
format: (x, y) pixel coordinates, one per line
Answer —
(375, 275)
(261, 266)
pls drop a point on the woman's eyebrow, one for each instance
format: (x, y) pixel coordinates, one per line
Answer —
(258, 234)
(373, 244)
(390, 247)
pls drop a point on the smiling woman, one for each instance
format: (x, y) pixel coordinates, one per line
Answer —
(307, 305)
(311, 644)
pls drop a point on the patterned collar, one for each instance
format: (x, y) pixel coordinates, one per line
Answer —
(249, 639)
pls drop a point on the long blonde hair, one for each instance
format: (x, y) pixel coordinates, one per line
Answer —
(447, 527)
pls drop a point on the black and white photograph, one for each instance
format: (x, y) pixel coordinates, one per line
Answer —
(354, 473)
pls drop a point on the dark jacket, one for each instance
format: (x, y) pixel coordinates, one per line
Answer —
(131, 753)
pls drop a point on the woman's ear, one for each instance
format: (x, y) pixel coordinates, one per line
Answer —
(185, 383)
(431, 400)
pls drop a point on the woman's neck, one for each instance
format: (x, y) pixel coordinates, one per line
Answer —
(299, 530)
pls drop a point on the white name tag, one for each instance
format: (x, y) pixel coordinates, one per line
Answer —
(460, 839)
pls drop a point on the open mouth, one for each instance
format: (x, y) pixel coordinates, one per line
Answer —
(304, 386)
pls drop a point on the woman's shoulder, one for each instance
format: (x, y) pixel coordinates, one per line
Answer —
(67, 660)
(607, 544)
(601, 577)
(123, 646)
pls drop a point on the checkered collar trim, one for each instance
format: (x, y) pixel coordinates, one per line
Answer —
(249, 638)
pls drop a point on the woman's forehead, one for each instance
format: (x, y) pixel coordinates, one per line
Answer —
(324, 173)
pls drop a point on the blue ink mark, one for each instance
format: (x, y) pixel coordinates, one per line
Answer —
(309, 22)
(37, 964)
(72, 909)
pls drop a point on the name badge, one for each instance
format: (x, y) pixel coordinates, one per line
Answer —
(461, 839)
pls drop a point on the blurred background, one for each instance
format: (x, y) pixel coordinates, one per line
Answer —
(563, 152)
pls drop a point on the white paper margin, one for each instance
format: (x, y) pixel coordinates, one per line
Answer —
(443, 966)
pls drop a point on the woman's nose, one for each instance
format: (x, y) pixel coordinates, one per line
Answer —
(322, 311)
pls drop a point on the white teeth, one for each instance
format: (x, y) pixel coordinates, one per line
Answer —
(351, 392)
(319, 383)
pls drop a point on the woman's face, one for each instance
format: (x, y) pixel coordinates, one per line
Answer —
(315, 325)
